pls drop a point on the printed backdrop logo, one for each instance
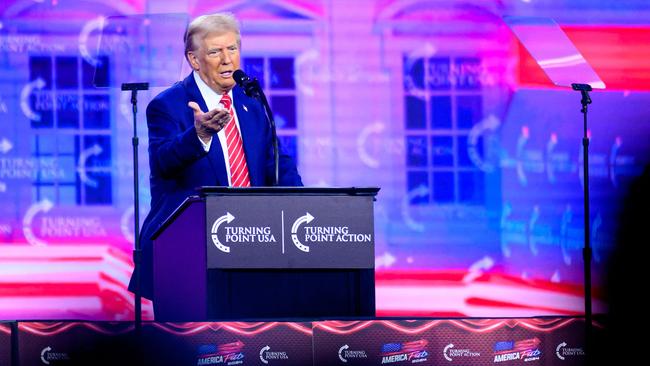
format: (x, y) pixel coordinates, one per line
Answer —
(450, 352)
(239, 234)
(25, 94)
(224, 354)
(96, 24)
(62, 227)
(81, 167)
(526, 350)
(3, 106)
(345, 353)
(445, 350)
(43, 206)
(266, 354)
(49, 357)
(413, 352)
(562, 351)
(5, 145)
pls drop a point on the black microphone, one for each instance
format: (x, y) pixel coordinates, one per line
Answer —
(251, 87)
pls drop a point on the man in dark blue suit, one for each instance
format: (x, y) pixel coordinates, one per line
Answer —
(229, 145)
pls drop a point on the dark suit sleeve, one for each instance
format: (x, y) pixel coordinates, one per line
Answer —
(172, 144)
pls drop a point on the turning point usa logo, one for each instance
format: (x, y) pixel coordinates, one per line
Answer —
(266, 354)
(223, 354)
(562, 351)
(526, 350)
(410, 351)
(49, 356)
(239, 234)
(346, 353)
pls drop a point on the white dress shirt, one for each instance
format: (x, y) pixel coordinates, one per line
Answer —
(212, 100)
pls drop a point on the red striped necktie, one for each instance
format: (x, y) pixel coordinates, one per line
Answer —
(236, 158)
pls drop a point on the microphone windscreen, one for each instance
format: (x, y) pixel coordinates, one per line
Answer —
(240, 77)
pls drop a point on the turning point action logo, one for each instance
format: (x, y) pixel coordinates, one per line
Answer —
(327, 234)
(449, 352)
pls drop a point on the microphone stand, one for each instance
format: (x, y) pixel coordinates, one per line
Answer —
(137, 251)
(15, 347)
(584, 90)
(252, 88)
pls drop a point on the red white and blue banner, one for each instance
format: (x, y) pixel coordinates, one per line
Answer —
(514, 341)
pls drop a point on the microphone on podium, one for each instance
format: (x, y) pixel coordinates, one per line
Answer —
(252, 89)
(251, 86)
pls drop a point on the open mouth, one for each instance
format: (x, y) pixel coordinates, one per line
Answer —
(226, 74)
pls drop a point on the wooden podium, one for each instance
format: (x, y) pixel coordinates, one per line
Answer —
(271, 252)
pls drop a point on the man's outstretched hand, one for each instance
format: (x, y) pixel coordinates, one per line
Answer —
(208, 123)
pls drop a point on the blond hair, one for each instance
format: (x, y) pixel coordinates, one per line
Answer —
(203, 25)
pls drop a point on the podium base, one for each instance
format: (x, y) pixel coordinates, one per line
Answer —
(290, 294)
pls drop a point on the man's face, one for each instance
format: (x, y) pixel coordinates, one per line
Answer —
(216, 58)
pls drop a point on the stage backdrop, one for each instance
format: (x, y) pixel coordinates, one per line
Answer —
(478, 157)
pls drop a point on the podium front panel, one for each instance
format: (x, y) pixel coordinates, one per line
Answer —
(267, 253)
(284, 232)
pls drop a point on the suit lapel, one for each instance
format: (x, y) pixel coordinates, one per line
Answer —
(193, 92)
(215, 156)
